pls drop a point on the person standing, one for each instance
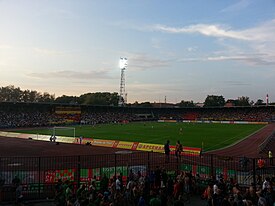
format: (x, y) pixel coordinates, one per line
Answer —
(167, 151)
(54, 138)
(244, 163)
(69, 194)
(261, 163)
(178, 150)
(180, 131)
(80, 139)
(18, 193)
(104, 183)
(118, 184)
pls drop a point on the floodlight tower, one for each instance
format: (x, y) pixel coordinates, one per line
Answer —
(122, 95)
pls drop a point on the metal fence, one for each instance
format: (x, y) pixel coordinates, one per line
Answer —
(262, 148)
(38, 175)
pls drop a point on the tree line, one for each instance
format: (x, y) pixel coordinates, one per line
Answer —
(15, 94)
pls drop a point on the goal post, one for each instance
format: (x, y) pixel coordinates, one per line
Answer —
(55, 131)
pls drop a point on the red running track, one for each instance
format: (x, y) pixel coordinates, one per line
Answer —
(249, 146)
(26, 147)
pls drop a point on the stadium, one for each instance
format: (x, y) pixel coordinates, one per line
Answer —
(137, 103)
(112, 144)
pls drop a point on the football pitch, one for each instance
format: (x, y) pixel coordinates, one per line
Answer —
(206, 136)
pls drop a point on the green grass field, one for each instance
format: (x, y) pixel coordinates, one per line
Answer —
(213, 136)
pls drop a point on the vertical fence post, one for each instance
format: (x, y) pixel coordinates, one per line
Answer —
(78, 171)
(115, 165)
(1, 169)
(39, 177)
(212, 166)
(148, 161)
(254, 173)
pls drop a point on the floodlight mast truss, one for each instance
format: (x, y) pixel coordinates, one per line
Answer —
(122, 88)
(122, 94)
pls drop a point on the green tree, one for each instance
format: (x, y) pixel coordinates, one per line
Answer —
(242, 101)
(99, 98)
(34, 96)
(186, 104)
(214, 101)
(10, 94)
(66, 99)
(135, 104)
(259, 102)
(145, 104)
(46, 97)
(15, 94)
(83, 98)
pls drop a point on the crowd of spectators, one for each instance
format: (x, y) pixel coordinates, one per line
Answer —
(93, 118)
(238, 114)
(21, 119)
(221, 193)
(10, 119)
(161, 189)
(156, 188)
(222, 114)
(38, 117)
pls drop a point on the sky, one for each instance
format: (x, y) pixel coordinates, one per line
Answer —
(178, 49)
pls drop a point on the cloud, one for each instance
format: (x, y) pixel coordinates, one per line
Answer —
(252, 59)
(221, 58)
(262, 33)
(156, 92)
(205, 29)
(68, 74)
(215, 58)
(143, 62)
(254, 45)
(240, 5)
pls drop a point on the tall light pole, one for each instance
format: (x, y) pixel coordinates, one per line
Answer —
(123, 62)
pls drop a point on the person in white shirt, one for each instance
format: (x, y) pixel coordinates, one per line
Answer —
(118, 184)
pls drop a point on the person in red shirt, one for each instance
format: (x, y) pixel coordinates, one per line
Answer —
(261, 163)
(177, 189)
